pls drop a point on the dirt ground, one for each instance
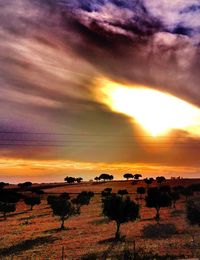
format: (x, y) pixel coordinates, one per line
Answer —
(35, 235)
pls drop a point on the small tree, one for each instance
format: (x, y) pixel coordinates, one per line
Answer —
(70, 179)
(174, 196)
(148, 181)
(65, 196)
(7, 208)
(157, 199)
(160, 180)
(32, 201)
(64, 209)
(137, 176)
(106, 192)
(187, 192)
(141, 191)
(79, 180)
(121, 210)
(83, 198)
(122, 192)
(96, 178)
(128, 176)
(104, 176)
(193, 212)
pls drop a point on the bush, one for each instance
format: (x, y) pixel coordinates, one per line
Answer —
(159, 230)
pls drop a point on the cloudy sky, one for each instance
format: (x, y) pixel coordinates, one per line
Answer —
(57, 56)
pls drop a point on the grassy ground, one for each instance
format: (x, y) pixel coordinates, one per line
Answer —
(35, 234)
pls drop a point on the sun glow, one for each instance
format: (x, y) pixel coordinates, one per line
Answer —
(155, 111)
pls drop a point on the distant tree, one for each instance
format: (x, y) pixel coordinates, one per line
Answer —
(79, 180)
(70, 179)
(64, 209)
(128, 176)
(160, 180)
(106, 192)
(7, 208)
(137, 176)
(122, 192)
(193, 212)
(141, 191)
(96, 178)
(157, 199)
(26, 184)
(148, 181)
(65, 196)
(187, 192)
(3, 184)
(32, 201)
(174, 197)
(111, 177)
(104, 176)
(120, 209)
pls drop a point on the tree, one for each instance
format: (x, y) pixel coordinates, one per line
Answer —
(121, 210)
(32, 201)
(3, 184)
(157, 199)
(128, 176)
(65, 196)
(137, 176)
(7, 208)
(79, 180)
(106, 192)
(83, 198)
(70, 179)
(174, 196)
(64, 209)
(26, 184)
(111, 177)
(187, 192)
(122, 192)
(193, 212)
(104, 176)
(96, 178)
(9, 196)
(148, 181)
(160, 180)
(141, 191)
(51, 199)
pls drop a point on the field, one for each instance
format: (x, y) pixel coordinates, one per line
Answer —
(35, 234)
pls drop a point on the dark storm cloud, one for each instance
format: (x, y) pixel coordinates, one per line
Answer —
(51, 51)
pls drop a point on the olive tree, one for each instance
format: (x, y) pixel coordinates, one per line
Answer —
(128, 176)
(7, 208)
(157, 199)
(120, 209)
(32, 201)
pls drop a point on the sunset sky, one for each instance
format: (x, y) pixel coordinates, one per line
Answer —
(99, 86)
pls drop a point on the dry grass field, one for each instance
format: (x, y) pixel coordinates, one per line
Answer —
(35, 234)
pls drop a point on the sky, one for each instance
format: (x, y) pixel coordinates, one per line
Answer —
(99, 86)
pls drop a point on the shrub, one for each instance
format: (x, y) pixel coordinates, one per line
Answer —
(159, 230)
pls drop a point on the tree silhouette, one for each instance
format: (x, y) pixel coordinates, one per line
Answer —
(32, 201)
(174, 196)
(141, 191)
(128, 176)
(137, 176)
(65, 196)
(79, 180)
(148, 181)
(3, 184)
(106, 192)
(82, 198)
(104, 176)
(96, 178)
(70, 179)
(193, 212)
(26, 184)
(7, 208)
(187, 192)
(9, 196)
(157, 199)
(120, 209)
(64, 209)
(160, 180)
